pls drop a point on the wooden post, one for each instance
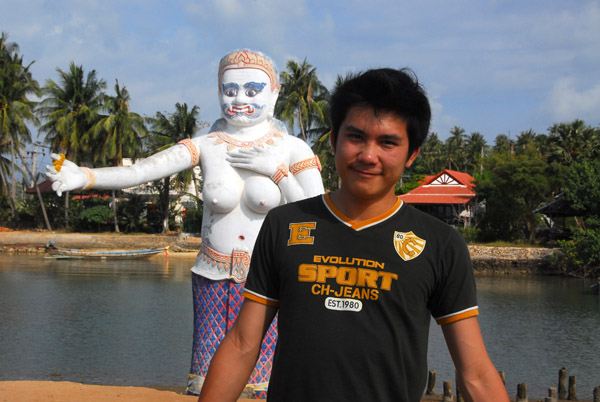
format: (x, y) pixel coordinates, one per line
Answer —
(562, 383)
(448, 392)
(522, 393)
(431, 383)
(597, 394)
(572, 389)
(552, 392)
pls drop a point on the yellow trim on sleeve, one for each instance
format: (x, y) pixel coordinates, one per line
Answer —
(259, 299)
(458, 317)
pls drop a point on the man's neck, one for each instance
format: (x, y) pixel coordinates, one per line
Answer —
(359, 209)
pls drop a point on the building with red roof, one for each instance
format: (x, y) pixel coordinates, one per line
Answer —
(448, 195)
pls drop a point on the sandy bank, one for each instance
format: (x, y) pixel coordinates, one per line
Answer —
(62, 391)
(34, 241)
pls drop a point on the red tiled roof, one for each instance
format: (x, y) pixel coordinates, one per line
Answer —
(44, 186)
(447, 187)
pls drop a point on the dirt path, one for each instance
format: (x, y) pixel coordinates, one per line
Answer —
(34, 241)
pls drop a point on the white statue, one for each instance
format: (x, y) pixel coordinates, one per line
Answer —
(249, 165)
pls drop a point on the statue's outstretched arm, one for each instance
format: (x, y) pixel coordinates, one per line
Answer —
(67, 176)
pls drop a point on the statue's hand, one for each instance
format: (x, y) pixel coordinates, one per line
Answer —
(256, 159)
(66, 175)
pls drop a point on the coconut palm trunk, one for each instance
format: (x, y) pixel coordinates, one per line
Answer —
(114, 208)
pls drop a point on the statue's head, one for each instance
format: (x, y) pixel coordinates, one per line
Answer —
(248, 87)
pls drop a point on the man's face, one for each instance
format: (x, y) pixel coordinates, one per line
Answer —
(371, 153)
(245, 96)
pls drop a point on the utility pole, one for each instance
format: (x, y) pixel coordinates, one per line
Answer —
(37, 189)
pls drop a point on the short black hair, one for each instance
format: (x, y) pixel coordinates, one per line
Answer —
(385, 90)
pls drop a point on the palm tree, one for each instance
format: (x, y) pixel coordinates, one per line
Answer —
(503, 144)
(302, 100)
(16, 84)
(431, 156)
(524, 140)
(573, 142)
(167, 131)
(118, 134)
(455, 148)
(71, 109)
(476, 146)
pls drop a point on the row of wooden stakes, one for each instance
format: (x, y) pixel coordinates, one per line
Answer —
(563, 392)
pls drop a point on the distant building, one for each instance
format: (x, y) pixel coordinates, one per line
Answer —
(448, 195)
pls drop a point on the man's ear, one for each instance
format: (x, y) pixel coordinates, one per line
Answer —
(412, 157)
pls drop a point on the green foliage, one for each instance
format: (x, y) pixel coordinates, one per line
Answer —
(133, 215)
(95, 217)
(302, 100)
(119, 133)
(469, 234)
(4, 209)
(413, 182)
(582, 187)
(573, 142)
(16, 110)
(322, 148)
(581, 255)
(30, 211)
(166, 131)
(192, 220)
(71, 108)
(513, 187)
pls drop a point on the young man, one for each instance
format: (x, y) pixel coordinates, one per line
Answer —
(356, 275)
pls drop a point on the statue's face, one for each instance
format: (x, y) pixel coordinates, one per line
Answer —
(245, 96)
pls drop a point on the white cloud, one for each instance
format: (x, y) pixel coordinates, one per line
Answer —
(566, 102)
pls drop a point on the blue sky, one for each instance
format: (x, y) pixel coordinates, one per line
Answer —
(495, 67)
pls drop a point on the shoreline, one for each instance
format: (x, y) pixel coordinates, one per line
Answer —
(65, 391)
(486, 259)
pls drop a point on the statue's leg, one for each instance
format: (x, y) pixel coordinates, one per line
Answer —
(259, 380)
(262, 371)
(216, 306)
(210, 326)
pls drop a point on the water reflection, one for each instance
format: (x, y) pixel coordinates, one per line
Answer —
(533, 326)
(98, 322)
(130, 323)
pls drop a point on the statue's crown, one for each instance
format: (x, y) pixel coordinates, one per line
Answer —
(249, 59)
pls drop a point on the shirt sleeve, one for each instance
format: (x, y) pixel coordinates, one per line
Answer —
(262, 283)
(455, 297)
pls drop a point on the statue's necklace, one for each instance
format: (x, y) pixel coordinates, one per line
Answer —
(233, 143)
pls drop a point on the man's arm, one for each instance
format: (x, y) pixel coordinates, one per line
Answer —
(478, 378)
(236, 356)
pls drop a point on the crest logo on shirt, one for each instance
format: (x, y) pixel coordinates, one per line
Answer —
(408, 245)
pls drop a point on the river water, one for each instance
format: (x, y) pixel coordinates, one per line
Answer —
(130, 323)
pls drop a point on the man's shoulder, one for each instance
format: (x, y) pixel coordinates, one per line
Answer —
(426, 221)
(307, 205)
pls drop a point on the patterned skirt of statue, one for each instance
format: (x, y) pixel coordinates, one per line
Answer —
(216, 306)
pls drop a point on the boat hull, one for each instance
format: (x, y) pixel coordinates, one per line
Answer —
(59, 253)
